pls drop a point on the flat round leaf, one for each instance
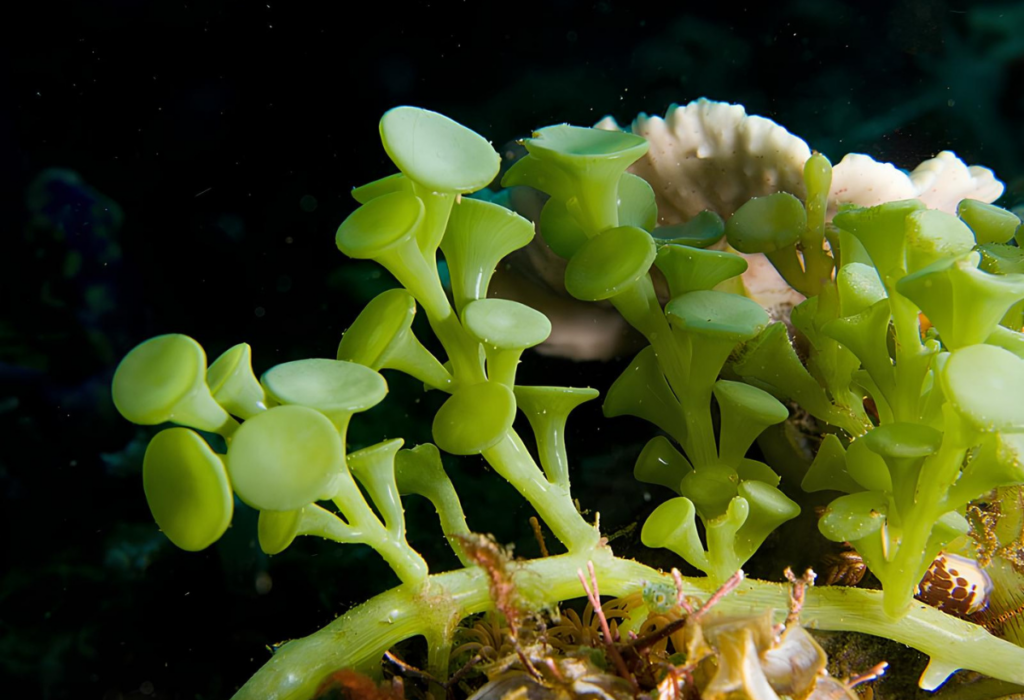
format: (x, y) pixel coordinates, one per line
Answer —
(767, 503)
(903, 440)
(560, 230)
(853, 517)
(506, 324)
(386, 185)
(233, 384)
(474, 418)
(754, 403)
(710, 489)
(860, 287)
(331, 386)
(609, 263)
(985, 384)
(379, 224)
(384, 319)
(990, 224)
(574, 146)
(187, 489)
(285, 458)
(157, 376)
(670, 523)
(637, 206)
(689, 269)
(438, 153)
(718, 314)
(766, 224)
(701, 231)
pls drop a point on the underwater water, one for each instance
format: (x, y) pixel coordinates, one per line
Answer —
(182, 167)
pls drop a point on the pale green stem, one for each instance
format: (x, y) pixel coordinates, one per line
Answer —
(405, 561)
(787, 263)
(463, 351)
(912, 359)
(359, 638)
(912, 558)
(598, 207)
(502, 365)
(553, 503)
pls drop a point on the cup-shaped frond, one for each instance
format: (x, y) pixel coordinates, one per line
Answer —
(866, 336)
(847, 247)
(859, 287)
(964, 303)
(746, 412)
(277, 529)
(755, 470)
(722, 533)
(904, 447)
(662, 464)
(560, 230)
(386, 229)
(187, 489)
(689, 269)
(564, 235)
(436, 152)
(381, 337)
(580, 166)
(396, 182)
(990, 224)
(999, 462)
(383, 223)
(548, 408)
(867, 468)
(374, 467)
(474, 418)
(984, 383)
(506, 324)
(540, 174)
(637, 205)
(715, 323)
(164, 379)
(1001, 259)
(934, 235)
(234, 385)
(505, 328)
(710, 489)
(767, 224)
(420, 471)
(854, 516)
(771, 363)
(478, 236)
(286, 458)
(717, 315)
(828, 470)
(882, 232)
(642, 391)
(769, 508)
(609, 263)
(583, 152)
(335, 388)
(1012, 341)
(703, 230)
(673, 526)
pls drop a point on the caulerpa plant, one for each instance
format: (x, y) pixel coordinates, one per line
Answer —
(949, 425)
(286, 432)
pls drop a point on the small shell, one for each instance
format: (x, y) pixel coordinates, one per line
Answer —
(956, 585)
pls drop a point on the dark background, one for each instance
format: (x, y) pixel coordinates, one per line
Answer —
(182, 166)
